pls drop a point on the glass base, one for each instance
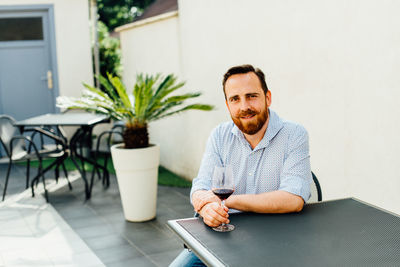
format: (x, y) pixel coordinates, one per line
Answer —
(224, 228)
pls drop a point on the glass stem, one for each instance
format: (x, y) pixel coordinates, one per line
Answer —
(223, 205)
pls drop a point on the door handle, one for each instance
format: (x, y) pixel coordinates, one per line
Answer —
(49, 79)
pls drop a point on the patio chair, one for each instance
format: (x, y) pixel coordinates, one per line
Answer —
(19, 148)
(47, 145)
(110, 137)
(316, 192)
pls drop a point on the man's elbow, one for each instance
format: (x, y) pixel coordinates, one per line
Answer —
(299, 204)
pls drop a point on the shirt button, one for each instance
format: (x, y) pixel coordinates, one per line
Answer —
(250, 173)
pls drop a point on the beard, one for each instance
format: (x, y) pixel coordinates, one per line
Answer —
(251, 127)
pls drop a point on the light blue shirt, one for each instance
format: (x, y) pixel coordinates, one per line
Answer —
(281, 160)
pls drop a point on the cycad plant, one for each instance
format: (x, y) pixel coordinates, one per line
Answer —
(151, 100)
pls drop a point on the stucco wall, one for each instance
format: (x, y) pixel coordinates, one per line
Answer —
(330, 65)
(151, 53)
(71, 18)
(152, 48)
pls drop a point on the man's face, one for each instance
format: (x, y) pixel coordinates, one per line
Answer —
(247, 103)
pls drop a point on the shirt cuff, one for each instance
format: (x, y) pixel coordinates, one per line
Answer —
(297, 188)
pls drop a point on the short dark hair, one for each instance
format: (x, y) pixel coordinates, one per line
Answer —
(242, 69)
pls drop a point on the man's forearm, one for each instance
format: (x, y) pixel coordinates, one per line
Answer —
(270, 202)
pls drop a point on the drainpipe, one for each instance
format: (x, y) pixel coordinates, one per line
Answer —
(95, 41)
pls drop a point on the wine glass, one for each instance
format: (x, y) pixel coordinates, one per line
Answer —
(223, 187)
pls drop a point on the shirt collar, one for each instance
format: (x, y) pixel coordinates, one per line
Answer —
(274, 125)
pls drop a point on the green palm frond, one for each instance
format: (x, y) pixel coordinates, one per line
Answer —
(151, 100)
(109, 89)
(121, 91)
(166, 87)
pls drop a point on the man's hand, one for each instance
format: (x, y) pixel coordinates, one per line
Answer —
(202, 197)
(214, 214)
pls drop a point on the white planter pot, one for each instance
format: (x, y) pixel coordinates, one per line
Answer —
(137, 174)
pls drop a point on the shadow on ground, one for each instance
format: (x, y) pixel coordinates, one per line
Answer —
(101, 225)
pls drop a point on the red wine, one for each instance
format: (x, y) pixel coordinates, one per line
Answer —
(223, 193)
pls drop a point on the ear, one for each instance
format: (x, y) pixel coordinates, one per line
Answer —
(268, 98)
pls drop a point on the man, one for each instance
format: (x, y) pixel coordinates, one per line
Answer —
(269, 156)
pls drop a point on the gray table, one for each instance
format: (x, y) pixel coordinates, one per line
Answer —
(85, 121)
(64, 119)
(343, 232)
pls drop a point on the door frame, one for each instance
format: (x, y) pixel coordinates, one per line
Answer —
(49, 9)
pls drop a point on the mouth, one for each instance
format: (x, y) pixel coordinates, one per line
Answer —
(247, 117)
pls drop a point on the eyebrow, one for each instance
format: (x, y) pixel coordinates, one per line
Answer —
(248, 94)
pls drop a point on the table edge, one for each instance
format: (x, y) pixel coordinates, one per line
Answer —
(92, 122)
(205, 255)
(360, 201)
(376, 207)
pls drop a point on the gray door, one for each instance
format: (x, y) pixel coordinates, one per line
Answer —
(27, 85)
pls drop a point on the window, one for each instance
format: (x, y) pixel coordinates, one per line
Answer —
(21, 29)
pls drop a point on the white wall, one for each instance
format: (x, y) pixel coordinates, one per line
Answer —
(331, 66)
(71, 18)
(151, 53)
(151, 48)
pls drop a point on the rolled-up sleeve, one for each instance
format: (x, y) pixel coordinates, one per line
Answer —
(296, 172)
(211, 158)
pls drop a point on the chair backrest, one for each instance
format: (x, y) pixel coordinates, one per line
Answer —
(8, 131)
(316, 192)
(118, 127)
(107, 138)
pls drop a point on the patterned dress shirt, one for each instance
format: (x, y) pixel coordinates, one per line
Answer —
(281, 160)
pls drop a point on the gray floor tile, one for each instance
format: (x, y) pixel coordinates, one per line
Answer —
(75, 211)
(93, 231)
(153, 246)
(166, 257)
(84, 222)
(144, 234)
(107, 241)
(117, 254)
(137, 262)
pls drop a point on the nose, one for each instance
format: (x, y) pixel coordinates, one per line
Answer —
(244, 105)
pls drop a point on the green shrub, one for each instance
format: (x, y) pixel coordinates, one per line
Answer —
(110, 52)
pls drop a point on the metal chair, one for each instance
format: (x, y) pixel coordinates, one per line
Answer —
(22, 148)
(316, 192)
(111, 137)
(46, 146)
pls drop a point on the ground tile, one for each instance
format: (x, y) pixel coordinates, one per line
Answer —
(75, 211)
(26, 257)
(94, 231)
(137, 262)
(117, 254)
(87, 259)
(166, 257)
(107, 241)
(17, 232)
(8, 214)
(85, 222)
(152, 246)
